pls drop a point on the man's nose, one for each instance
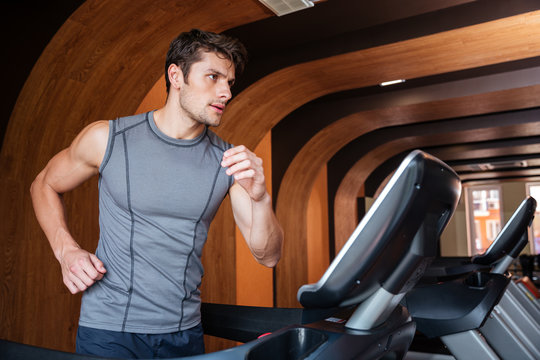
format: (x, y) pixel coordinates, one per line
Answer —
(224, 92)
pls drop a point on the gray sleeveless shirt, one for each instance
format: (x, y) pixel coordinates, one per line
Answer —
(157, 197)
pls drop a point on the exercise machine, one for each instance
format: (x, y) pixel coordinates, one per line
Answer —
(471, 307)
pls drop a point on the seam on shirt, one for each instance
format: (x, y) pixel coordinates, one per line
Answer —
(130, 127)
(110, 146)
(186, 296)
(216, 145)
(172, 142)
(130, 291)
(194, 291)
(113, 287)
(230, 180)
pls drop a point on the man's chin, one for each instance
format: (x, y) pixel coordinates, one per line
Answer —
(212, 122)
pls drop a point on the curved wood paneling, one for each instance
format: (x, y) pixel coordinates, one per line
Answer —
(262, 105)
(297, 182)
(346, 198)
(100, 64)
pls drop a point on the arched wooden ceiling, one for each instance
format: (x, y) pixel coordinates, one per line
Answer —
(109, 54)
(438, 135)
(277, 94)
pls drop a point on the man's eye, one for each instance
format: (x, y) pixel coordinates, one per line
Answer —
(213, 77)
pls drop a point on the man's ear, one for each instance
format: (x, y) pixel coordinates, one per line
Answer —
(176, 76)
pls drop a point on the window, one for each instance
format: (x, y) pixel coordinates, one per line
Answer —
(533, 189)
(493, 227)
(484, 216)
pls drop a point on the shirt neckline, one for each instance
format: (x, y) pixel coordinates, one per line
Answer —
(171, 140)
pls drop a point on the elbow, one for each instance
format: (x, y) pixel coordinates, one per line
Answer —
(268, 259)
(270, 263)
(35, 185)
(38, 187)
(271, 259)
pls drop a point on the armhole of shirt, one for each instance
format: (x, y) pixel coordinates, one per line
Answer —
(110, 144)
(231, 178)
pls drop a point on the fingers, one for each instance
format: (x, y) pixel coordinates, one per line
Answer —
(235, 150)
(238, 154)
(98, 265)
(242, 170)
(241, 163)
(74, 284)
(234, 155)
(71, 286)
(82, 271)
(247, 170)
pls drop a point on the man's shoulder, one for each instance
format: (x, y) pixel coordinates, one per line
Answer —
(126, 122)
(89, 146)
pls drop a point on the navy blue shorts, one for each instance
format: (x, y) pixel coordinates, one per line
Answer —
(115, 344)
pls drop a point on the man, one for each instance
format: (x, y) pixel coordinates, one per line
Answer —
(162, 177)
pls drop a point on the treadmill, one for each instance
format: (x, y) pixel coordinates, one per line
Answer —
(472, 307)
(354, 310)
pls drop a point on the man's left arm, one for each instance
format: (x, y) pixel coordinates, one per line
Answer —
(252, 205)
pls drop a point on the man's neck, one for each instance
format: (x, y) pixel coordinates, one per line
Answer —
(170, 121)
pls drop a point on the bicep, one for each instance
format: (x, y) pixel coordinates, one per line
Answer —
(80, 161)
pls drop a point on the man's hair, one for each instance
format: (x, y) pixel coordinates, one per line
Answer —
(187, 49)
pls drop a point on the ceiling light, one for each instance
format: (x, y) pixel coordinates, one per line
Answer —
(392, 82)
(496, 165)
(283, 7)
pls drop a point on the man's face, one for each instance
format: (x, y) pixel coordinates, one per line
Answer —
(207, 91)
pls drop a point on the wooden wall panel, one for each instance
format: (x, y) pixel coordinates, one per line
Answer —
(318, 258)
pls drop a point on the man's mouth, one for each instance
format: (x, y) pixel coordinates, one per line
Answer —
(218, 107)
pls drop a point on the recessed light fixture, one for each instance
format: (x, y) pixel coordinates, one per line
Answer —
(284, 7)
(386, 83)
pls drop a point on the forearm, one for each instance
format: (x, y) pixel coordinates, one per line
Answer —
(252, 205)
(80, 269)
(50, 213)
(265, 235)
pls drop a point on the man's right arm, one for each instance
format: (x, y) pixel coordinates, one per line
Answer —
(64, 172)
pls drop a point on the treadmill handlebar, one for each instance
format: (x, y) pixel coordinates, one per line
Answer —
(512, 238)
(395, 240)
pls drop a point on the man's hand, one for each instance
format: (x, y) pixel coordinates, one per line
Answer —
(80, 269)
(247, 170)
